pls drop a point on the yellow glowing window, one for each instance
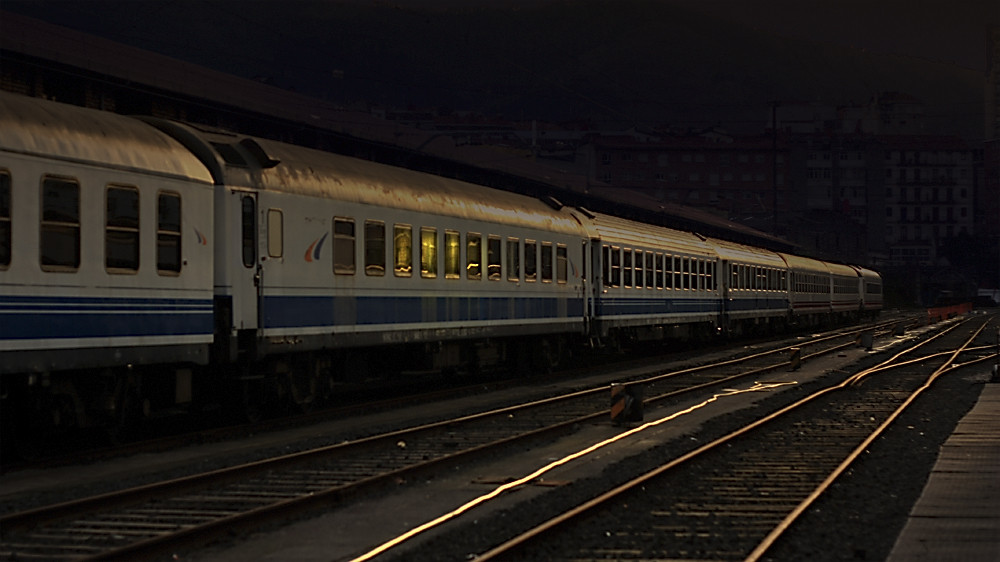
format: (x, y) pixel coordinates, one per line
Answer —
(474, 256)
(428, 253)
(452, 254)
(402, 241)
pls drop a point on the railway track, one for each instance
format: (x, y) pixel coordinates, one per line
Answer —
(162, 516)
(739, 496)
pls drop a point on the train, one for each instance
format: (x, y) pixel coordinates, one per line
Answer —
(150, 265)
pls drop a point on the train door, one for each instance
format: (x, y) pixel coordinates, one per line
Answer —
(246, 279)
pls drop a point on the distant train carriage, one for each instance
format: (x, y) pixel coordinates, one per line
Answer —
(845, 295)
(870, 290)
(809, 290)
(754, 287)
(653, 282)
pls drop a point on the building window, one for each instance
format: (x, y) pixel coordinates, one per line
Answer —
(121, 229)
(168, 234)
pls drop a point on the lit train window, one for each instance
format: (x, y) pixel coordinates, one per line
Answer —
(513, 259)
(530, 260)
(402, 243)
(546, 262)
(493, 258)
(452, 254)
(168, 234)
(375, 248)
(428, 253)
(60, 225)
(343, 246)
(121, 229)
(474, 256)
(562, 264)
(275, 233)
(5, 225)
(248, 208)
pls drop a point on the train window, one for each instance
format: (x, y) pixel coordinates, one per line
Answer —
(546, 262)
(562, 264)
(650, 272)
(374, 248)
(474, 256)
(513, 259)
(402, 243)
(60, 224)
(494, 256)
(168, 234)
(428, 252)
(659, 271)
(606, 265)
(530, 260)
(275, 233)
(343, 246)
(452, 254)
(248, 212)
(686, 272)
(121, 229)
(640, 276)
(678, 281)
(5, 224)
(627, 267)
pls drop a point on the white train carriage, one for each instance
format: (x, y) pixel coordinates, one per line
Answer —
(341, 253)
(845, 294)
(105, 258)
(754, 287)
(652, 282)
(870, 290)
(809, 289)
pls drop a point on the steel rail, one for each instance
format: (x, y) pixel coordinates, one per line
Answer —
(547, 526)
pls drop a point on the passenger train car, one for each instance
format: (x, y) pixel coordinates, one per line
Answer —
(148, 264)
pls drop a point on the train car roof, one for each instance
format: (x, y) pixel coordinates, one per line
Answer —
(840, 269)
(615, 230)
(59, 131)
(801, 263)
(242, 161)
(742, 253)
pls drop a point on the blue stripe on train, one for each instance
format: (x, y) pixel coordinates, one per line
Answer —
(291, 312)
(25, 318)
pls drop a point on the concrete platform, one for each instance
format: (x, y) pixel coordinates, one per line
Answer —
(958, 515)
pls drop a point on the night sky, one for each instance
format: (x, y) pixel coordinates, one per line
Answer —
(616, 63)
